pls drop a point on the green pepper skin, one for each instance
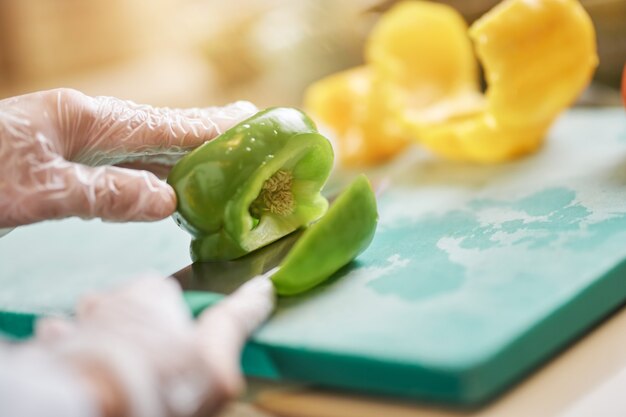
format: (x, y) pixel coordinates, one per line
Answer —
(217, 183)
(341, 235)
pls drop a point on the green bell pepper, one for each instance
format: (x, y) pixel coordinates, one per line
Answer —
(335, 240)
(256, 182)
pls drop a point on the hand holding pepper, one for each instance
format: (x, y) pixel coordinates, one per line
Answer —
(57, 146)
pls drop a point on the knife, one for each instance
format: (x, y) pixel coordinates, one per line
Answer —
(205, 283)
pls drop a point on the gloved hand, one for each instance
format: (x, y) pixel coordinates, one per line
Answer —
(53, 145)
(142, 355)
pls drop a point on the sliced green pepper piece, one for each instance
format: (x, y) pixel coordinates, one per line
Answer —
(255, 183)
(341, 235)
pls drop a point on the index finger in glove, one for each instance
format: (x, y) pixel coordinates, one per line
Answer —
(224, 328)
(129, 130)
(110, 130)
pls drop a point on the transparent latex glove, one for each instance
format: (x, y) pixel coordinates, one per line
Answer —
(137, 352)
(56, 148)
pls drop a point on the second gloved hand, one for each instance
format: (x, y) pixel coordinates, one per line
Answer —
(57, 148)
(142, 355)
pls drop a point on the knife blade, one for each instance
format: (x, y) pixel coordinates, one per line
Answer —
(226, 276)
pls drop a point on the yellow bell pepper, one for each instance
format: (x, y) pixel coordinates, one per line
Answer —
(404, 66)
(422, 55)
(537, 57)
(350, 103)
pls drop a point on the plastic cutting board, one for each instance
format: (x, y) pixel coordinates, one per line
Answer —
(477, 274)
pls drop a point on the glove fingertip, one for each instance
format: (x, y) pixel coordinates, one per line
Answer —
(164, 203)
(154, 200)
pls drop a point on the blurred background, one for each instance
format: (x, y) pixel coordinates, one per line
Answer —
(181, 53)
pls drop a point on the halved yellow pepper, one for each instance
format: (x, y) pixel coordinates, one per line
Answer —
(537, 57)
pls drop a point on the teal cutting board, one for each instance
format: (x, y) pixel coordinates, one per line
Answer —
(477, 274)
